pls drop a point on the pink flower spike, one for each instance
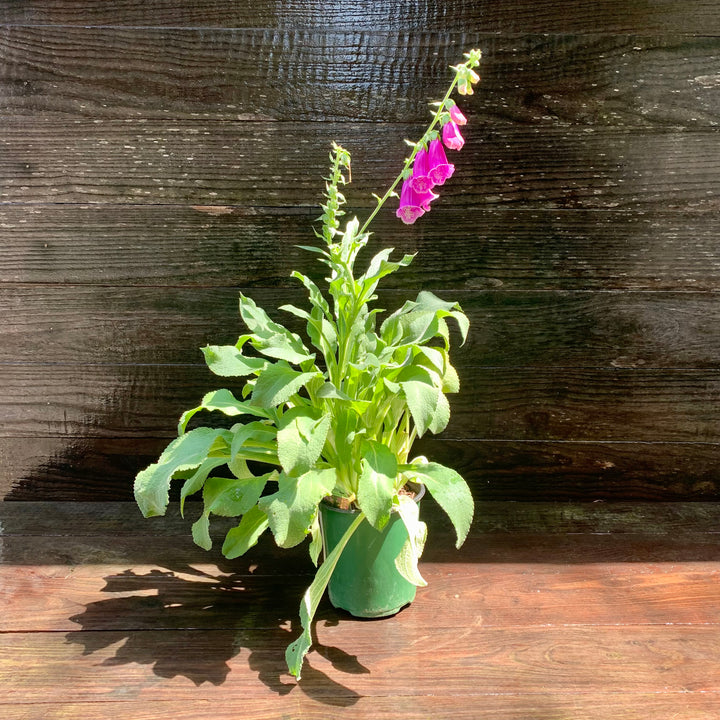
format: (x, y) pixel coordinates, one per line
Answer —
(452, 137)
(440, 169)
(456, 116)
(410, 204)
(420, 181)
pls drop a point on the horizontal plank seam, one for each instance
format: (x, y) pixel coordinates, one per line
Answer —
(443, 439)
(351, 29)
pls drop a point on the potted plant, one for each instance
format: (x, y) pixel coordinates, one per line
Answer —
(324, 430)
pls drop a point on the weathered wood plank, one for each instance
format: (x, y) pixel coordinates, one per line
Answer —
(604, 404)
(92, 72)
(153, 597)
(51, 324)
(496, 16)
(511, 706)
(352, 661)
(93, 469)
(233, 247)
(279, 164)
(684, 525)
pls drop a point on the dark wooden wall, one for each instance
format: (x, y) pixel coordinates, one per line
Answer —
(156, 157)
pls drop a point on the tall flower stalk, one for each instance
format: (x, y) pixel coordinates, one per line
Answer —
(446, 112)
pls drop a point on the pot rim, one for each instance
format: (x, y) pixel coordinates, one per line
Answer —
(419, 494)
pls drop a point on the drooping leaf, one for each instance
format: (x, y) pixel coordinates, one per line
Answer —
(296, 651)
(300, 440)
(277, 384)
(291, 510)
(223, 401)
(201, 532)
(184, 453)
(407, 561)
(241, 538)
(376, 485)
(450, 491)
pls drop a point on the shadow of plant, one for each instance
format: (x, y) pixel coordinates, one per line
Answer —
(192, 623)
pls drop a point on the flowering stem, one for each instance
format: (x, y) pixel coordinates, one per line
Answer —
(408, 161)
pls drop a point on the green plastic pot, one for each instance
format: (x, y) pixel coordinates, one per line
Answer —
(365, 581)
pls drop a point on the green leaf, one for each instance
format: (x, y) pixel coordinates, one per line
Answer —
(241, 538)
(316, 544)
(231, 497)
(296, 651)
(184, 453)
(228, 361)
(197, 479)
(418, 322)
(379, 267)
(407, 561)
(316, 297)
(428, 406)
(201, 532)
(450, 491)
(225, 402)
(253, 441)
(292, 508)
(376, 484)
(300, 440)
(269, 337)
(277, 384)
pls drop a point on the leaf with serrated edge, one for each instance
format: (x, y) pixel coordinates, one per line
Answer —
(450, 491)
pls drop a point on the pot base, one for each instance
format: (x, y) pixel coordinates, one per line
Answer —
(365, 581)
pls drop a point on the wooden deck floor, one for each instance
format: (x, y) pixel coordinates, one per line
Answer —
(550, 612)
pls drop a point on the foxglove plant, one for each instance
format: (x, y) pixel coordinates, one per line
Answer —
(337, 421)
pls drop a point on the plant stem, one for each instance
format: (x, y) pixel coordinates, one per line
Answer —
(409, 160)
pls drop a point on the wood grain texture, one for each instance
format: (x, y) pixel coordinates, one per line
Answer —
(488, 248)
(588, 706)
(151, 665)
(94, 469)
(154, 159)
(669, 530)
(51, 324)
(620, 404)
(599, 602)
(278, 165)
(231, 75)
(496, 16)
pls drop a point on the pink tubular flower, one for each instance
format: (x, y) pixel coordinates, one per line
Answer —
(456, 116)
(439, 168)
(413, 204)
(421, 182)
(452, 137)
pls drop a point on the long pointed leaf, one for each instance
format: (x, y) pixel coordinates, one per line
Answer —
(296, 651)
